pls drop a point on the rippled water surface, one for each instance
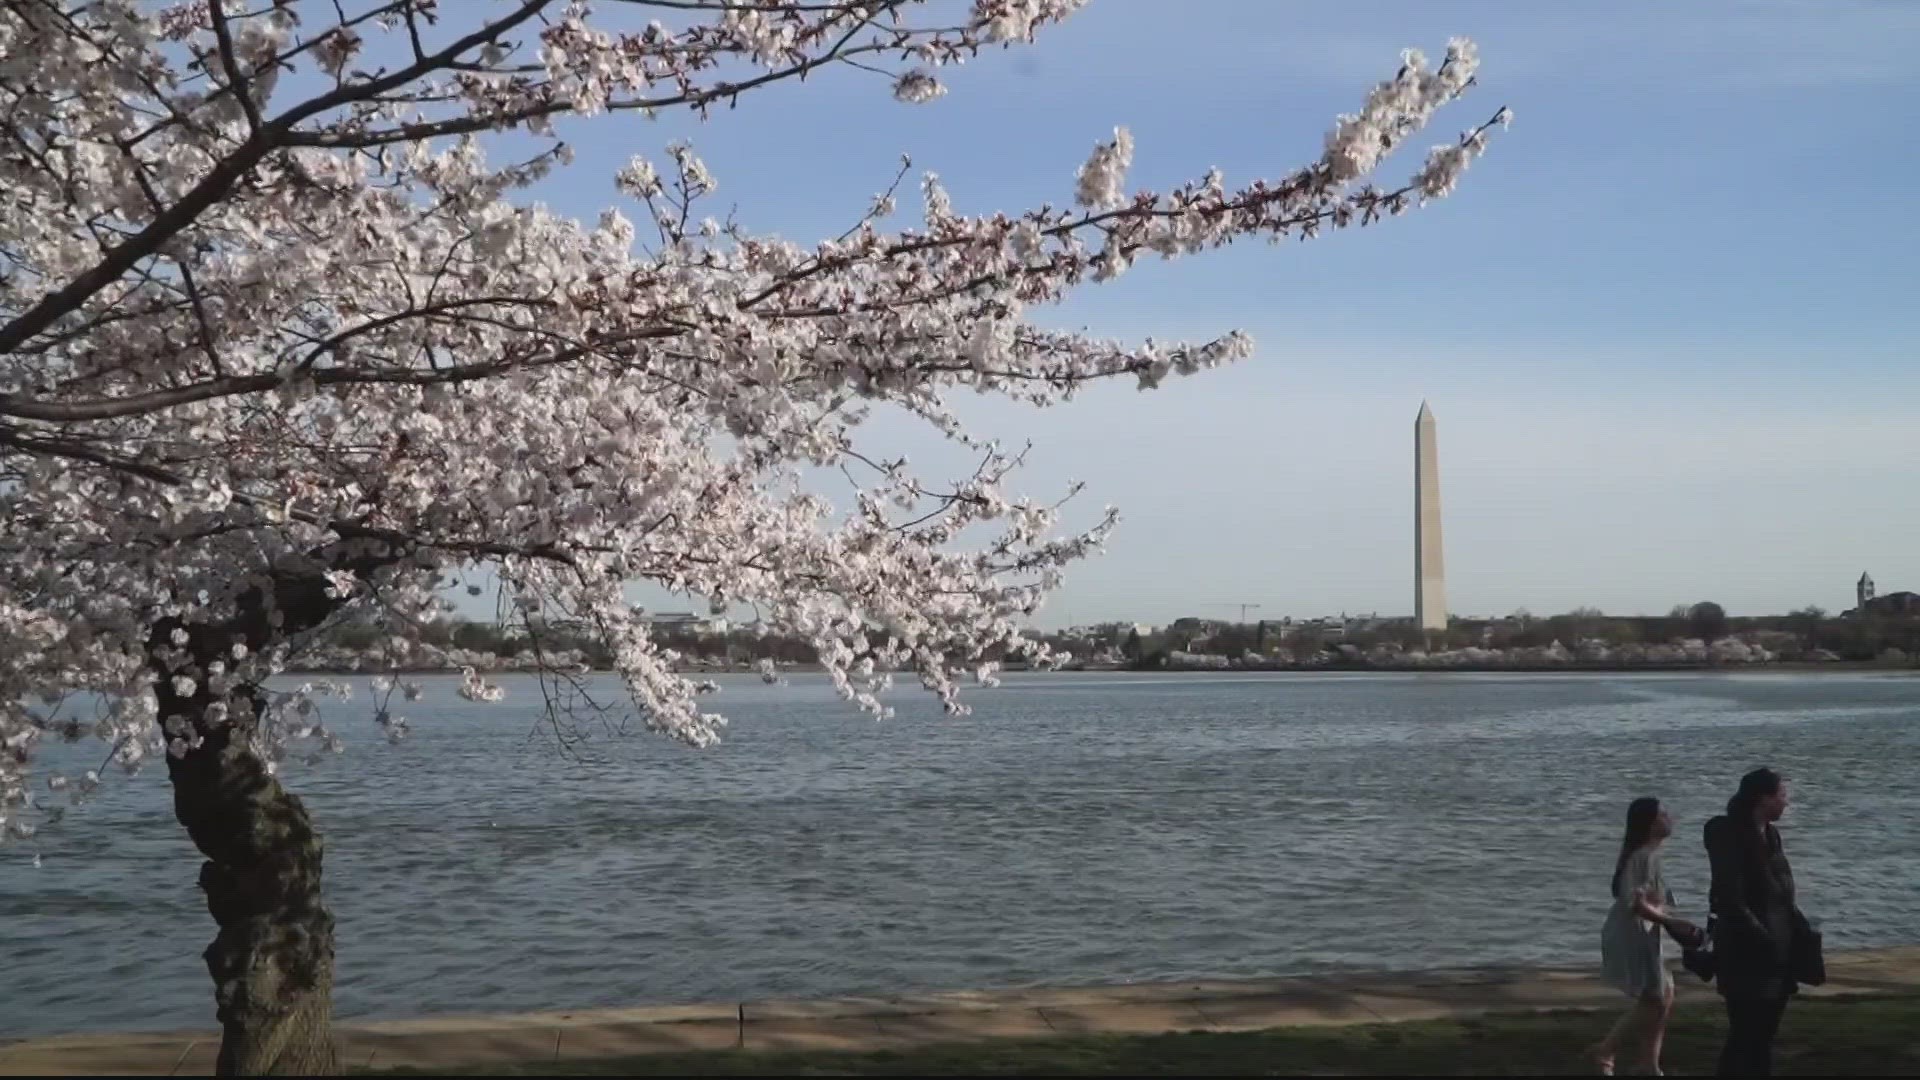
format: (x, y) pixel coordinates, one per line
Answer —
(1075, 828)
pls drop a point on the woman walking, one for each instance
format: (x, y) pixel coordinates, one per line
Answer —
(1763, 947)
(1631, 958)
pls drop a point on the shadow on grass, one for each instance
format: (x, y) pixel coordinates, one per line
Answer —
(1861, 1036)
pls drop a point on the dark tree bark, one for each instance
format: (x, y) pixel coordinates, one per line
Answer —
(272, 960)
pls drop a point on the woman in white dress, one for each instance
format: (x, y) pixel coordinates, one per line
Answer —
(1631, 957)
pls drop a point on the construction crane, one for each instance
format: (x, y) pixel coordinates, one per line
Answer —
(1244, 608)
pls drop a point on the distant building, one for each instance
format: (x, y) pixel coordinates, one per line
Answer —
(1324, 627)
(1114, 631)
(1901, 604)
(687, 621)
(1894, 603)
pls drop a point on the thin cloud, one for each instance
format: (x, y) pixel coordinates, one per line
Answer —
(1785, 46)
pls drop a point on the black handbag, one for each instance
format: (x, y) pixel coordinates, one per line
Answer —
(1807, 961)
(1696, 951)
(1696, 944)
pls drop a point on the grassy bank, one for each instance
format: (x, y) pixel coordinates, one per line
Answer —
(1878, 1036)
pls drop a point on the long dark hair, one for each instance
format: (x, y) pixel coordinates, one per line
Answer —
(1641, 814)
(1756, 785)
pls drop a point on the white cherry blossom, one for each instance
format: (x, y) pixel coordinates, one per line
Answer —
(915, 87)
(1104, 174)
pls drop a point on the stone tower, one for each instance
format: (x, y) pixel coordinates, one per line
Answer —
(1429, 568)
(1863, 590)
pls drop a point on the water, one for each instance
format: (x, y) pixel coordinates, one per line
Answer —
(1076, 828)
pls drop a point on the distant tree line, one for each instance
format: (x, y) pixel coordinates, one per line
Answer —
(510, 639)
(1801, 633)
(1856, 636)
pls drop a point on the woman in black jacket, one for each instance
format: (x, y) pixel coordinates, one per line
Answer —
(1755, 921)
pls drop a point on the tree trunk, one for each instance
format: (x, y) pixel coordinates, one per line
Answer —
(272, 961)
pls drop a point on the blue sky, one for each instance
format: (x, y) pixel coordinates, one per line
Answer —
(1662, 323)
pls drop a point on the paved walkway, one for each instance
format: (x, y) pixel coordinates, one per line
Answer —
(884, 1022)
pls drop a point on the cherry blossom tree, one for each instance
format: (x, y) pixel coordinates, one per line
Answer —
(278, 343)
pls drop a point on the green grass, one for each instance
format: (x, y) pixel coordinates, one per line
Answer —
(1863, 1036)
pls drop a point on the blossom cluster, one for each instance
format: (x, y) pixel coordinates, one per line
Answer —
(280, 343)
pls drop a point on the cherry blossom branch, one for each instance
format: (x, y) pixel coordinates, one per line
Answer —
(237, 82)
(220, 180)
(240, 348)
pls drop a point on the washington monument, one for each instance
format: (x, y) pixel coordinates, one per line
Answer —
(1429, 568)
